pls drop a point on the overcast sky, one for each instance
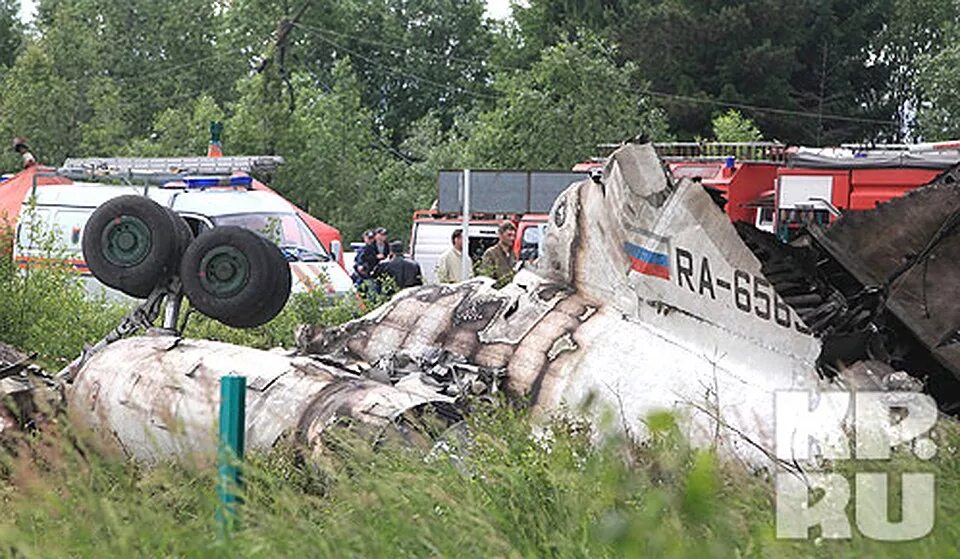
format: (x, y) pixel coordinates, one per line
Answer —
(495, 8)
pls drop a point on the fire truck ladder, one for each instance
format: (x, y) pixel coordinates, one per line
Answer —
(125, 166)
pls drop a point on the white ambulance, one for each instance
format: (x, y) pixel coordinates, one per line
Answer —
(62, 210)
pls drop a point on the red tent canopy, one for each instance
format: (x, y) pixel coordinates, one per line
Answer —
(12, 193)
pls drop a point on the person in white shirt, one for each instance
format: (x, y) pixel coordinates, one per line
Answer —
(449, 268)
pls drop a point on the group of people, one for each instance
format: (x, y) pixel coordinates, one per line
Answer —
(497, 261)
(379, 259)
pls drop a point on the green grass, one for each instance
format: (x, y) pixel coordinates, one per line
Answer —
(503, 494)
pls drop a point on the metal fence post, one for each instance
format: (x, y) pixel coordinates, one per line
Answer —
(230, 454)
(466, 265)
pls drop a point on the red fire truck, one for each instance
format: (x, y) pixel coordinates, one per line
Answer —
(818, 185)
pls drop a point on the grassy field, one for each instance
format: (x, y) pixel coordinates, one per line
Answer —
(506, 493)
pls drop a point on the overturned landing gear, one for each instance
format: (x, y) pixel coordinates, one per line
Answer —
(235, 276)
(147, 251)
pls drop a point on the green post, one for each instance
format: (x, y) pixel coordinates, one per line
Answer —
(232, 421)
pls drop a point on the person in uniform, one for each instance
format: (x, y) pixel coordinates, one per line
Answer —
(498, 261)
(404, 271)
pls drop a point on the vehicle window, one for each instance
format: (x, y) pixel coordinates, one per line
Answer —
(196, 225)
(766, 216)
(532, 235)
(70, 228)
(35, 229)
(281, 228)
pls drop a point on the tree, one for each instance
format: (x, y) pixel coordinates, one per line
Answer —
(38, 103)
(158, 54)
(911, 44)
(938, 116)
(327, 142)
(411, 57)
(541, 24)
(11, 32)
(810, 57)
(555, 113)
(107, 131)
(181, 131)
(731, 126)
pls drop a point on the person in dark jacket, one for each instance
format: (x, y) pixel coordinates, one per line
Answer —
(366, 259)
(404, 271)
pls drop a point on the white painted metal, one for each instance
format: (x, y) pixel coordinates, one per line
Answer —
(586, 328)
(804, 192)
(465, 263)
(155, 397)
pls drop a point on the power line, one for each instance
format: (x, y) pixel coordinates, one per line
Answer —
(375, 42)
(442, 86)
(319, 32)
(196, 62)
(773, 110)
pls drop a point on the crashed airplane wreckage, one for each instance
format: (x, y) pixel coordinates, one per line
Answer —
(645, 298)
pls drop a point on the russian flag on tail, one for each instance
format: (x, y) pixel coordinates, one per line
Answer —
(652, 259)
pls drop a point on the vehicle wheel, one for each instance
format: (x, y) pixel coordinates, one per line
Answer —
(233, 275)
(130, 243)
(283, 282)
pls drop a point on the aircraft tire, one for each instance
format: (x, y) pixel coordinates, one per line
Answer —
(184, 236)
(235, 276)
(130, 244)
(271, 306)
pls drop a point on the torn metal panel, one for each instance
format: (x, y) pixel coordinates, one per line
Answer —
(880, 284)
(20, 407)
(909, 247)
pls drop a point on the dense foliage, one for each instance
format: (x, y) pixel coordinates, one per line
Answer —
(367, 100)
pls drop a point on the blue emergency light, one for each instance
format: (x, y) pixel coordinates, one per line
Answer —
(6, 177)
(202, 181)
(245, 181)
(208, 181)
